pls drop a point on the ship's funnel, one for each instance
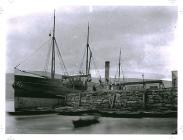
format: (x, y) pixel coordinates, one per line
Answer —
(107, 66)
(174, 79)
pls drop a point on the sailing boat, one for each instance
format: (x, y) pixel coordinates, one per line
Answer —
(117, 81)
(40, 91)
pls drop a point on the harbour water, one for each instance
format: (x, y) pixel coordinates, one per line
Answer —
(59, 124)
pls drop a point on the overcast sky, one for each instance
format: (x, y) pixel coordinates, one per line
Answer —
(145, 35)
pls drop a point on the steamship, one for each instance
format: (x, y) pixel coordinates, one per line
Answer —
(33, 90)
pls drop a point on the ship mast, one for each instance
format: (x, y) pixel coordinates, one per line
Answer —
(87, 49)
(53, 51)
(119, 66)
(120, 69)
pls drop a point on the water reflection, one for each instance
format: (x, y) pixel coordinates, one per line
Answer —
(59, 124)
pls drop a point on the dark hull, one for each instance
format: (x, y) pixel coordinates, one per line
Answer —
(21, 113)
(26, 86)
(82, 123)
(33, 92)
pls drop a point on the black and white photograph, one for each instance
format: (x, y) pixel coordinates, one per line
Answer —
(91, 69)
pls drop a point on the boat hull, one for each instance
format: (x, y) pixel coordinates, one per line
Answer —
(84, 122)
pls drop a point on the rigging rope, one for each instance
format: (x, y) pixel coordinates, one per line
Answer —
(92, 60)
(47, 58)
(94, 63)
(95, 67)
(60, 61)
(82, 61)
(59, 54)
(122, 71)
(32, 54)
(123, 74)
(121, 68)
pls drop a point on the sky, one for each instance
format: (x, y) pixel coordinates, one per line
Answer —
(145, 35)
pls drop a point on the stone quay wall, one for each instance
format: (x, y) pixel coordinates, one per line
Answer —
(165, 99)
(137, 100)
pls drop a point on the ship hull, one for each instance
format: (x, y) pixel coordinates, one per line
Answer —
(36, 92)
(36, 104)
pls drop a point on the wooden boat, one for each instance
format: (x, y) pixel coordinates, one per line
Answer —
(81, 122)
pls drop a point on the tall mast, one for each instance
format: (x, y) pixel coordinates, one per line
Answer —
(119, 65)
(87, 48)
(53, 51)
(89, 62)
(143, 80)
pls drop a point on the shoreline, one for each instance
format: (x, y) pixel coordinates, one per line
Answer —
(112, 114)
